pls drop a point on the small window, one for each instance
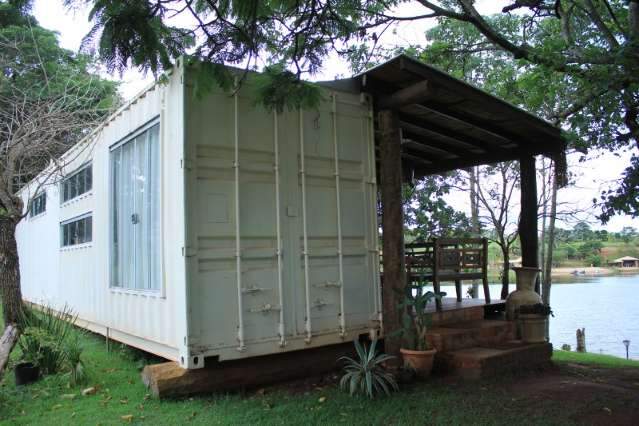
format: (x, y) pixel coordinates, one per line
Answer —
(77, 184)
(38, 205)
(77, 231)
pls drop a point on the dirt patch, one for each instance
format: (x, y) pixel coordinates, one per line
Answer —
(594, 396)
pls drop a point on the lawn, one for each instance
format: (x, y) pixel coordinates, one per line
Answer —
(599, 360)
(121, 398)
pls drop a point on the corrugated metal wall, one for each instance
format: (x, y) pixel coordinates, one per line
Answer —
(304, 237)
(297, 256)
(79, 275)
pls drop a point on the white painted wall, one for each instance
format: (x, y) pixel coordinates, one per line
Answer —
(79, 275)
(198, 137)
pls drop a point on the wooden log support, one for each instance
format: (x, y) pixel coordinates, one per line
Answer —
(413, 94)
(392, 227)
(7, 342)
(528, 220)
(581, 340)
(169, 380)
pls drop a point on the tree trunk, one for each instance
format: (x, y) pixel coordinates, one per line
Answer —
(474, 217)
(545, 291)
(544, 215)
(505, 279)
(10, 272)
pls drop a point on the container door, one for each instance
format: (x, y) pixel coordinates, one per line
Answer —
(219, 218)
(334, 244)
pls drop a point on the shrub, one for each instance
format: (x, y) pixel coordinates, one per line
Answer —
(51, 341)
(366, 374)
(41, 348)
(536, 309)
(73, 350)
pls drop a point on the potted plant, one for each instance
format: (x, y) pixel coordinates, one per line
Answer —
(533, 321)
(28, 369)
(416, 351)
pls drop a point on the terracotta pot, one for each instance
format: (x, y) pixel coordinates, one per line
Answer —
(420, 361)
(533, 328)
(525, 293)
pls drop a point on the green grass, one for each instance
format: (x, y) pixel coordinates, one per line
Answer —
(121, 393)
(116, 375)
(593, 359)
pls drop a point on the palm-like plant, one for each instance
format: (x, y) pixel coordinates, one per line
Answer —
(366, 374)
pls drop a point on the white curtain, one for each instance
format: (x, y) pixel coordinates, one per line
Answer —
(136, 212)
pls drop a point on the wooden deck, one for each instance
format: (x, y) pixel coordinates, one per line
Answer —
(451, 304)
(453, 311)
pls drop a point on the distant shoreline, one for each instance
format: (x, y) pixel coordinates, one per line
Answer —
(583, 271)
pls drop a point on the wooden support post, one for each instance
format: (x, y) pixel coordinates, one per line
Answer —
(581, 340)
(528, 219)
(392, 227)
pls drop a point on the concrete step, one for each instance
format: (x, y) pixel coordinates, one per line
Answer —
(467, 334)
(488, 361)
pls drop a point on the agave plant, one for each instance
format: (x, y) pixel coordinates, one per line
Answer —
(366, 374)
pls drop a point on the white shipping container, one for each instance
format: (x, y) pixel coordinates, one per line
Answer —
(196, 227)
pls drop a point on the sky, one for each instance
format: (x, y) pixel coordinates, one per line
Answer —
(597, 173)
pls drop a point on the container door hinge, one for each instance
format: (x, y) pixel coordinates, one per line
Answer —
(189, 251)
(186, 164)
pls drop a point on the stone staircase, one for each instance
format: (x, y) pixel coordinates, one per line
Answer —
(473, 347)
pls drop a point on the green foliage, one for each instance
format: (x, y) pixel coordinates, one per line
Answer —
(536, 309)
(426, 213)
(51, 341)
(415, 319)
(277, 88)
(617, 201)
(73, 349)
(589, 248)
(594, 260)
(133, 31)
(42, 349)
(366, 374)
(33, 61)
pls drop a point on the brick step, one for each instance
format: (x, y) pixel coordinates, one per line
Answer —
(467, 334)
(453, 316)
(489, 361)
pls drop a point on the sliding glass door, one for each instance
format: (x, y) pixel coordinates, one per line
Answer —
(135, 196)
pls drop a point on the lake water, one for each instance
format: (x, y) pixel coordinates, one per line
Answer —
(607, 307)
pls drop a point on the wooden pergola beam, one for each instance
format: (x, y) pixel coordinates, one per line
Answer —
(410, 122)
(412, 94)
(466, 119)
(392, 226)
(497, 106)
(461, 163)
(428, 152)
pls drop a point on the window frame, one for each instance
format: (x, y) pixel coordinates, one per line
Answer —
(160, 291)
(73, 186)
(86, 224)
(34, 202)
